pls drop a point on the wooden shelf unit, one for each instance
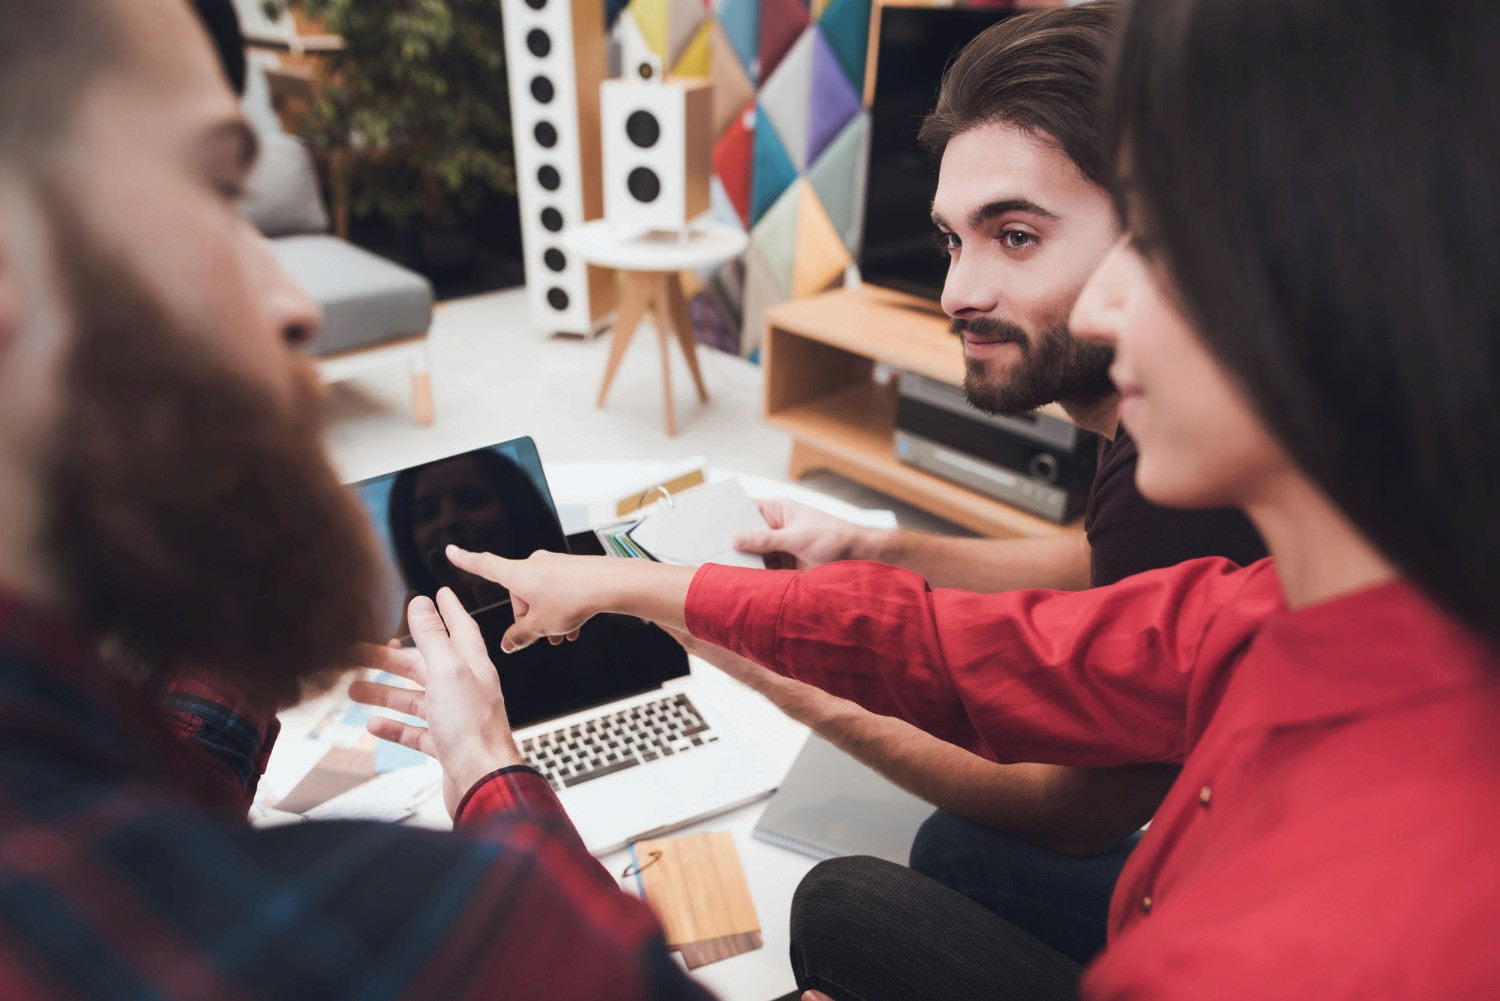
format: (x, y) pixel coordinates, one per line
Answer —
(820, 356)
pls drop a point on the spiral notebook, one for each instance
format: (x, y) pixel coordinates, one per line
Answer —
(831, 805)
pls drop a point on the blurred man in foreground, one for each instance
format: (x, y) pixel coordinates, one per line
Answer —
(167, 503)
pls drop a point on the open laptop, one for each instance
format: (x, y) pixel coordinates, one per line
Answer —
(613, 719)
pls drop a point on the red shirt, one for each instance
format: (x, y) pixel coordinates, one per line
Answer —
(1334, 831)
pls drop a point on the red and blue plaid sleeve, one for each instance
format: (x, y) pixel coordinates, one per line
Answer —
(520, 791)
(234, 736)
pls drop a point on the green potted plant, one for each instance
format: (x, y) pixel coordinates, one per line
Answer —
(413, 116)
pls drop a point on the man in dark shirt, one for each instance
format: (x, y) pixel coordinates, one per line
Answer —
(166, 499)
(1022, 209)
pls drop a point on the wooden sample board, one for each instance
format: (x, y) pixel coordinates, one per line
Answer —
(698, 891)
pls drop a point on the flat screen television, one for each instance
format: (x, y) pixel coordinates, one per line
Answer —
(916, 44)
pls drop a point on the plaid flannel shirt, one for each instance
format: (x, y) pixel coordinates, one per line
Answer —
(127, 867)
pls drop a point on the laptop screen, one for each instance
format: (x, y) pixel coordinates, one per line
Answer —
(496, 500)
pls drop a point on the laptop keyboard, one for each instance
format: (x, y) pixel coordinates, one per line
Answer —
(611, 743)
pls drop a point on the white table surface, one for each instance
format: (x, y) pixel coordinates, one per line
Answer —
(707, 244)
(772, 873)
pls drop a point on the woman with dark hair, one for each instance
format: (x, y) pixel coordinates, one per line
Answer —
(1306, 324)
(479, 500)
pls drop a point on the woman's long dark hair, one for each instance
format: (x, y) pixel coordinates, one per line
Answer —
(1321, 181)
(533, 521)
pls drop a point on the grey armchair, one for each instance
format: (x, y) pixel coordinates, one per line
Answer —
(376, 313)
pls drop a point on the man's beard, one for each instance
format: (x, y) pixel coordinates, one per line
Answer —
(1056, 366)
(194, 519)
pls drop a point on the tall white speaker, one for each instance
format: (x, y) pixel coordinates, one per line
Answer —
(555, 56)
(658, 153)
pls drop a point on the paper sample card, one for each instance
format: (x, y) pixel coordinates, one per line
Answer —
(699, 527)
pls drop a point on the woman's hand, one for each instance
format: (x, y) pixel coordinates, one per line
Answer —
(467, 730)
(553, 595)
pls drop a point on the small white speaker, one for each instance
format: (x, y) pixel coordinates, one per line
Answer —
(658, 153)
(555, 57)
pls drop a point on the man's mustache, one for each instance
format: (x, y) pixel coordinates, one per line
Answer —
(992, 330)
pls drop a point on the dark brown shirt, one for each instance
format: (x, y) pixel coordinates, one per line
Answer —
(1130, 535)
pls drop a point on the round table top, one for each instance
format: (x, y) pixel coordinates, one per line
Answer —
(707, 244)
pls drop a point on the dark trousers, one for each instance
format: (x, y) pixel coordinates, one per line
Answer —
(864, 929)
(1062, 900)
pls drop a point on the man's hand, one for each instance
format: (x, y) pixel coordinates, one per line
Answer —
(553, 595)
(467, 730)
(801, 537)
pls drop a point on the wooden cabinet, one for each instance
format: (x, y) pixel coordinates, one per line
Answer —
(820, 356)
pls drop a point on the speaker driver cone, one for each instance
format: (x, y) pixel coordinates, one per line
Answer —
(643, 184)
(643, 129)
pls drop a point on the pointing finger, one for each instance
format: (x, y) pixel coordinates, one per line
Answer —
(486, 565)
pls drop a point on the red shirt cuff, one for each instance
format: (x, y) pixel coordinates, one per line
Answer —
(517, 789)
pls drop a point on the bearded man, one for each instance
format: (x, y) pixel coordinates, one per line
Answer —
(178, 561)
(1023, 211)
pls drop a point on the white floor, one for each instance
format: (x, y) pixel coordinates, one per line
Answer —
(494, 378)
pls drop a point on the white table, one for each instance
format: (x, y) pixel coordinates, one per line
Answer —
(651, 265)
(772, 873)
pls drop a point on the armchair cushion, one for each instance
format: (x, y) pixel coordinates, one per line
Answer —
(366, 299)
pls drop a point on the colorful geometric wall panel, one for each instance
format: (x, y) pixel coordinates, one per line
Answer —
(786, 97)
(733, 158)
(781, 23)
(740, 20)
(761, 291)
(651, 17)
(775, 237)
(846, 25)
(683, 22)
(838, 178)
(732, 88)
(790, 140)
(837, 100)
(772, 169)
(820, 258)
(696, 58)
(718, 309)
(721, 208)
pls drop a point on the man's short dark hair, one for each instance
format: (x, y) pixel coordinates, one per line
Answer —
(49, 51)
(1043, 72)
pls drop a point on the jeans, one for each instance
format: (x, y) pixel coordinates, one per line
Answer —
(864, 929)
(1060, 899)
